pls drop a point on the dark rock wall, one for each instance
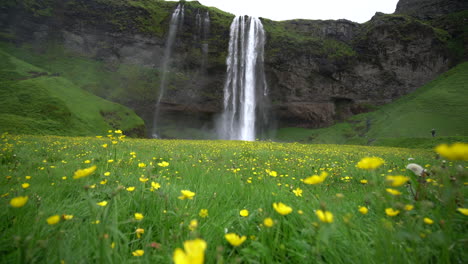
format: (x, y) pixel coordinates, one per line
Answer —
(318, 72)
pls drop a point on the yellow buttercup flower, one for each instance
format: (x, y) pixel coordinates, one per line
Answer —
(193, 252)
(143, 179)
(53, 220)
(138, 216)
(186, 194)
(363, 210)
(67, 217)
(370, 163)
(155, 185)
(282, 209)
(163, 164)
(393, 191)
(84, 172)
(234, 239)
(428, 221)
(363, 181)
(25, 185)
(138, 253)
(268, 222)
(391, 212)
(409, 207)
(103, 203)
(396, 181)
(107, 173)
(141, 165)
(456, 151)
(19, 201)
(193, 224)
(244, 213)
(298, 192)
(324, 216)
(139, 232)
(130, 189)
(464, 211)
(315, 179)
(203, 213)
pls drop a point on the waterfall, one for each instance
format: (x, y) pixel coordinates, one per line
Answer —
(176, 22)
(205, 31)
(245, 89)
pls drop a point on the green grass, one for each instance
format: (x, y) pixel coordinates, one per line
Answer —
(440, 104)
(36, 101)
(226, 177)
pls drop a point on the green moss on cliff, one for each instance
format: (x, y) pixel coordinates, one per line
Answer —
(35, 101)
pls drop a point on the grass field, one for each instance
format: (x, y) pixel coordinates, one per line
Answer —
(440, 104)
(131, 208)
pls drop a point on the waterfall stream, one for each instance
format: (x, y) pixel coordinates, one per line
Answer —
(176, 22)
(245, 89)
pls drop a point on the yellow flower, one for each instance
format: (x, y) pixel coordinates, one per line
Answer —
(27, 177)
(298, 192)
(428, 221)
(186, 194)
(155, 185)
(104, 145)
(268, 222)
(130, 189)
(391, 212)
(103, 182)
(107, 173)
(203, 213)
(464, 211)
(363, 181)
(244, 212)
(103, 203)
(87, 161)
(141, 165)
(363, 210)
(138, 216)
(138, 253)
(234, 239)
(19, 201)
(396, 181)
(409, 207)
(25, 185)
(110, 161)
(67, 217)
(272, 173)
(315, 179)
(143, 179)
(163, 164)
(118, 131)
(53, 220)
(193, 253)
(393, 191)
(282, 209)
(84, 172)
(456, 151)
(324, 216)
(370, 163)
(193, 224)
(139, 232)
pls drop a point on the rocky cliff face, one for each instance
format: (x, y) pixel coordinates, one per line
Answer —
(317, 71)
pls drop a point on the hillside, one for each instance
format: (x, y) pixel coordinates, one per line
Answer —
(440, 104)
(36, 101)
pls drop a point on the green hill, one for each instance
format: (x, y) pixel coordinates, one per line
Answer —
(441, 104)
(34, 101)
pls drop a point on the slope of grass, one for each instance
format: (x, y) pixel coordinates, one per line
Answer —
(34, 101)
(440, 104)
(96, 215)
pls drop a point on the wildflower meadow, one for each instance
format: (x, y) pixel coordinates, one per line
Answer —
(109, 199)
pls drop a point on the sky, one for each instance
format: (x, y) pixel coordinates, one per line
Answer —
(354, 10)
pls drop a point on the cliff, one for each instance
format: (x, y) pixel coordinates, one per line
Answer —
(318, 72)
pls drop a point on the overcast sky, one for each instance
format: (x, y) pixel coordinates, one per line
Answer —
(354, 10)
